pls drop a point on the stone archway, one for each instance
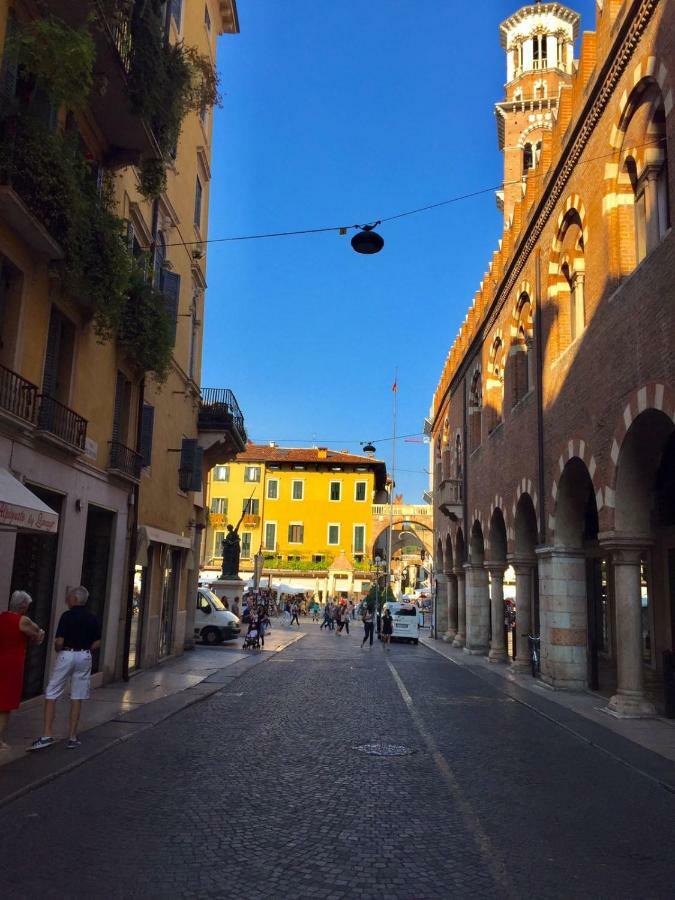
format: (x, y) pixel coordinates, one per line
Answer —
(460, 577)
(477, 595)
(524, 563)
(642, 551)
(573, 588)
(451, 592)
(496, 566)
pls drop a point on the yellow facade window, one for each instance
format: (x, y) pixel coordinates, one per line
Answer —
(335, 491)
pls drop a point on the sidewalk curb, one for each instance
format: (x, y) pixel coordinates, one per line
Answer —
(516, 691)
(198, 692)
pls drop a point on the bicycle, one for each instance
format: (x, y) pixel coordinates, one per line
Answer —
(534, 643)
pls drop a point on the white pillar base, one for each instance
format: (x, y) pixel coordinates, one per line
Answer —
(629, 705)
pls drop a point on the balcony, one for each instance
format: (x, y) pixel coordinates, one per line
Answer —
(221, 425)
(61, 425)
(124, 462)
(451, 498)
(18, 398)
(128, 136)
(251, 521)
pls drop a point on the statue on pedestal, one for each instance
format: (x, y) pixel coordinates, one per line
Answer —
(231, 551)
(232, 548)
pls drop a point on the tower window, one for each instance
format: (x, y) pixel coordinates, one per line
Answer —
(527, 158)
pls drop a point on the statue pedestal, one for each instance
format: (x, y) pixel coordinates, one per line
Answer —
(228, 589)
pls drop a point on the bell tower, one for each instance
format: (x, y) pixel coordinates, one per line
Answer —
(539, 44)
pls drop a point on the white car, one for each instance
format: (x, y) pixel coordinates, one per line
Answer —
(406, 621)
(214, 623)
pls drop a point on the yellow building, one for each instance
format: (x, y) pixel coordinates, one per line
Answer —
(103, 207)
(310, 512)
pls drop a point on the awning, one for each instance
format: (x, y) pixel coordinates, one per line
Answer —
(21, 509)
(147, 534)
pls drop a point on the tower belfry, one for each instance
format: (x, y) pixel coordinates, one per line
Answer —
(539, 43)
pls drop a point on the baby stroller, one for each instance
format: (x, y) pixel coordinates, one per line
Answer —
(252, 638)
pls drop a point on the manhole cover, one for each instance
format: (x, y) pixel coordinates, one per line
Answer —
(377, 748)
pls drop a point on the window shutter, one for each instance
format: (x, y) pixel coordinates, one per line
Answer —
(186, 466)
(120, 385)
(147, 426)
(196, 484)
(170, 287)
(49, 377)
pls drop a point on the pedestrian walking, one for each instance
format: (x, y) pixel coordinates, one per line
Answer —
(344, 618)
(77, 634)
(326, 617)
(235, 607)
(367, 617)
(387, 628)
(316, 609)
(295, 611)
(16, 631)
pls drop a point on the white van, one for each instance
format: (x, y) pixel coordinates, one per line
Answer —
(214, 623)
(406, 621)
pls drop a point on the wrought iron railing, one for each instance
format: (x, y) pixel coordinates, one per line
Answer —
(62, 422)
(125, 460)
(17, 395)
(116, 15)
(219, 408)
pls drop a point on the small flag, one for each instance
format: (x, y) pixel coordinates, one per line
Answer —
(394, 386)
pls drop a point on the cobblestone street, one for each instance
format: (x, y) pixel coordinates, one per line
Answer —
(260, 790)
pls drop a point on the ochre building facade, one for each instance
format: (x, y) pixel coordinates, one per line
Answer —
(554, 419)
(85, 426)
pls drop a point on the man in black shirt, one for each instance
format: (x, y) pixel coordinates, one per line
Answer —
(77, 634)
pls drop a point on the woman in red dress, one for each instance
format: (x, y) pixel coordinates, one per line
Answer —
(16, 629)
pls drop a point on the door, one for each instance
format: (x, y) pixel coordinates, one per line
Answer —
(34, 571)
(170, 579)
(140, 597)
(98, 541)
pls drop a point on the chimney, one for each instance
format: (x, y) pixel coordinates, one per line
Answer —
(322, 452)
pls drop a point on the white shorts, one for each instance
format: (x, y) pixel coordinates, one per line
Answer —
(73, 664)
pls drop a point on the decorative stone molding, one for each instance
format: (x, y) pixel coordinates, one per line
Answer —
(576, 447)
(653, 395)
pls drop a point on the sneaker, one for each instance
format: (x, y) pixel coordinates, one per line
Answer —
(41, 743)
(73, 743)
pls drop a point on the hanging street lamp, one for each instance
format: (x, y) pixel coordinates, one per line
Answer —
(367, 240)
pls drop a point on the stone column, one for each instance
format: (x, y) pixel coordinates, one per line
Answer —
(451, 633)
(460, 637)
(629, 700)
(651, 208)
(497, 646)
(564, 617)
(524, 571)
(441, 623)
(477, 609)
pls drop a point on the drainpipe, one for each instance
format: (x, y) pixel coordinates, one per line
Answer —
(131, 550)
(540, 396)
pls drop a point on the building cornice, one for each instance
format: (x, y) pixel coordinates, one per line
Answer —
(628, 36)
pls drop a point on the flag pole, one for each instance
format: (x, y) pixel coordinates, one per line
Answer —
(393, 485)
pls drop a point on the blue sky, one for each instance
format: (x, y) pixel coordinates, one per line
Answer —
(343, 113)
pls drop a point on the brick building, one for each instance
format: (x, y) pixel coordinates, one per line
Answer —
(554, 419)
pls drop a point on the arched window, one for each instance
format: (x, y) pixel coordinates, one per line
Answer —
(528, 158)
(644, 213)
(520, 354)
(459, 463)
(446, 450)
(475, 410)
(495, 384)
(569, 285)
